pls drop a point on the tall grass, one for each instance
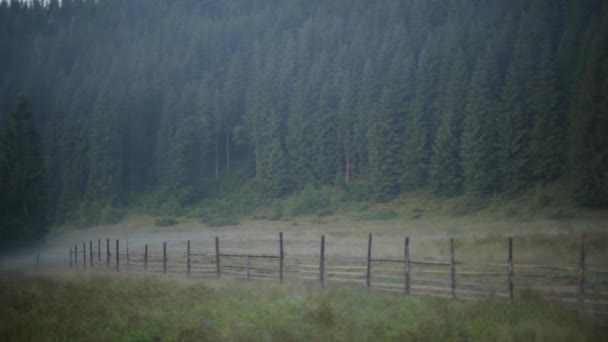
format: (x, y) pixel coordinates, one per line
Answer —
(142, 309)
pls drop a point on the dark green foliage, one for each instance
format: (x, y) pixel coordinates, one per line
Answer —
(23, 187)
(379, 97)
(376, 214)
(479, 145)
(445, 171)
(165, 221)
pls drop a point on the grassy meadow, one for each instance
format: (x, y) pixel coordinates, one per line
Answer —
(122, 308)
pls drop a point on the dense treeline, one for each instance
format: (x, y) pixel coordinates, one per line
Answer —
(456, 96)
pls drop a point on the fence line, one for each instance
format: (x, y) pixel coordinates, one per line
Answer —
(581, 287)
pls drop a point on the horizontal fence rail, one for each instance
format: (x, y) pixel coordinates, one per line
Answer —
(582, 287)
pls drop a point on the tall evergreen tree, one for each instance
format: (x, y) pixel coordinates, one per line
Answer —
(479, 145)
(23, 187)
(446, 170)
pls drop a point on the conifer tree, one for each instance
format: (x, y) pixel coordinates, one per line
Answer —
(23, 187)
(479, 145)
(446, 170)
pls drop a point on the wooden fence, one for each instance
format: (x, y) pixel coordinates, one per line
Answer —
(582, 286)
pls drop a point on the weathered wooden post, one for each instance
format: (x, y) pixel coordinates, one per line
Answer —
(91, 253)
(369, 262)
(188, 261)
(108, 255)
(322, 262)
(281, 257)
(128, 256)
(76, 255)
(452, 269)
(218, 269)
(511, 270)
(581, 274)
(84, 255)
(71, 256)
(99, 252)
(248, 268)
(146, 258)
(406, 265)
(117, 256)
(164, 258)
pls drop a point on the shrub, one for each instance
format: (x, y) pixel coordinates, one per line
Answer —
(309, 201)
(376, 214)
(111, 215)
(165, 221)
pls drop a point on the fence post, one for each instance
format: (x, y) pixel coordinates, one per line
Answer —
(369, 262)
(511, 270)
(128, 256)
(581, 274)
(117, 256)
(188, 259)
(281, 256)
(452, 268)
(146, 258)
(322, 262)
(99, 252)
(84, 255)
(164, 258)
(108, 253)
(406, 265)
(248, 268)
(218, 270)
(71, 256)
(76, 255)
(91, 253)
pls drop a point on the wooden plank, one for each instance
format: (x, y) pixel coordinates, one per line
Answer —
(251, 256)
(358, 274)
(595, 269)
(430, 263)
(547, 267)
(354, 267)
(546, 276)
(474, 273)
(388, 261)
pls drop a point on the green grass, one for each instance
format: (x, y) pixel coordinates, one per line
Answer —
(96, 308)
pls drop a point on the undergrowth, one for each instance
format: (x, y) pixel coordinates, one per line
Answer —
(145, 309)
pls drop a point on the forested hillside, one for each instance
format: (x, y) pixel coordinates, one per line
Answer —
(460, 97)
